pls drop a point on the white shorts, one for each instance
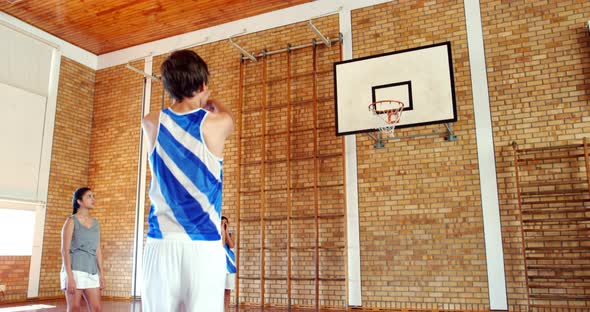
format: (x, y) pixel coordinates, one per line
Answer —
(179, 272)
(83, 280)
(230, 281)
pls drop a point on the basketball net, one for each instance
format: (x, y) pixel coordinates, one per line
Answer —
(387, 115)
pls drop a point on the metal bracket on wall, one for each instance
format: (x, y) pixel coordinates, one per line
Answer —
(380, 140)
(324, 39)
(237, 46)
(141, 72)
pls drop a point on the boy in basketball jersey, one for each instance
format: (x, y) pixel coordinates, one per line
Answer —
(184, 260)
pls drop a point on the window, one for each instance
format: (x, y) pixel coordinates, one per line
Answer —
(16, 232)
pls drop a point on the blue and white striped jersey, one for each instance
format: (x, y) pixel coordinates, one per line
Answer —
(230, 259)
(186, 185)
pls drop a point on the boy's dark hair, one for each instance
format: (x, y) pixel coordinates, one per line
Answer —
(224, 217)
(183, 73)
(78, 194)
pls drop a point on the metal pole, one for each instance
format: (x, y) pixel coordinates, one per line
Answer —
(316, 180)
(289, 195)
(239, 175)
(292, 48)
(523, 244)
(263, 185)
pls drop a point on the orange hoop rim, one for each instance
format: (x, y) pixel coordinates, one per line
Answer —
(393, 114)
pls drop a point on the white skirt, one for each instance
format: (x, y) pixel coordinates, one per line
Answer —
(83, 280)
(230, 281)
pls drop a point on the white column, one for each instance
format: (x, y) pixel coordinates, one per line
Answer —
(351, 188)
(44, 166)
(36, 252)
(137, 274)
(486, 158)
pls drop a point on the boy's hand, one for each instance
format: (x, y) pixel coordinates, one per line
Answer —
(210, 106)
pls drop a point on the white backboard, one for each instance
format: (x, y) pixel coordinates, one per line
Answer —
(422, 78)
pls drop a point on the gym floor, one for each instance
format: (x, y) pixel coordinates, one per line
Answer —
(120, 306)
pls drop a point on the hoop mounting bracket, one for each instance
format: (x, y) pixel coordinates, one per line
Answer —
(380, 140)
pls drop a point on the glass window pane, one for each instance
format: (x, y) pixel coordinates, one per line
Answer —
(16, 232)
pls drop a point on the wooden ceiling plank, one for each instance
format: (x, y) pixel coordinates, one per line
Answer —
(102, 26)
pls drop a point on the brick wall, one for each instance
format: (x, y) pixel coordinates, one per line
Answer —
(537, 54)
(69, 163)
(538, 59)
(14, 273)
(113, 170)
(68, 171)
(421, 226)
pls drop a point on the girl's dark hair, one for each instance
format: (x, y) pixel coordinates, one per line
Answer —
(78, 194)
(183, 73)
(224, 217)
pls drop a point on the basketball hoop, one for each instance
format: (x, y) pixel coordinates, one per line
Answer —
(388, 115)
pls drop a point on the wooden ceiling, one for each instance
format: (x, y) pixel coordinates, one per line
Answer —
(102, 26)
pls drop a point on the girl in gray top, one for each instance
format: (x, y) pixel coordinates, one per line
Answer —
(82, 273)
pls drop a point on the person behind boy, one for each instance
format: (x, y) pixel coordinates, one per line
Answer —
(183, 261)
(230, 259)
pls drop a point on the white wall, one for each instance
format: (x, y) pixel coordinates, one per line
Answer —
(22, 116)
